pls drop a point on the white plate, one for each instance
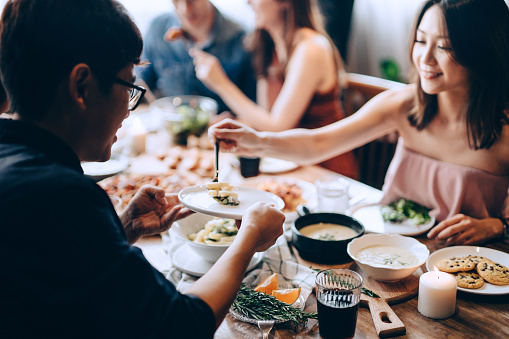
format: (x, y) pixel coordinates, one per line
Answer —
(461, 251)
(101, 170)
(185, 260)
(308, 191)
(273, 165)
(197, 199)
(371, 218)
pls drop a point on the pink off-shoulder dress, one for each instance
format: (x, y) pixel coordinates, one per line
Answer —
(447, 189)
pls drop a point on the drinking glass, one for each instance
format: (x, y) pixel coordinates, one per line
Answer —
(249, 166)
(332, 194)
(338, 292)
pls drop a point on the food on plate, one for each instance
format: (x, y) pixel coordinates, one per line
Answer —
(288, 296)
(470, 280)
(473, 271)
(455, 264)
(199, 161)
(218, 231)
(388, 256)
(260, 306)
(402, 209)
(173, 34)
(327, 231)
(291, 193)
(125, 186)
(270, 284)
(222, 193)
(493, 272)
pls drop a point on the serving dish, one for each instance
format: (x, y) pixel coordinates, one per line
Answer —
(293, 192)
(369, 215)
(462, 251)
(324, 251)
(382, 272)
(197, 199)
(186, 260)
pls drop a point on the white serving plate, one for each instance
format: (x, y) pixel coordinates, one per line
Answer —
(274, 166)
(197, 199)
(462, 251)
(186, 260)
(370, 216)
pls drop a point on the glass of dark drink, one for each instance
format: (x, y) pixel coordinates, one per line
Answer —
(338, 292)
(249, 166)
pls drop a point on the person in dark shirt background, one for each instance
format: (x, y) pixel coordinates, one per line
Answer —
(68, 269)
(194, 24)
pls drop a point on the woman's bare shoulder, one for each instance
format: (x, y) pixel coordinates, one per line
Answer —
(395, 102)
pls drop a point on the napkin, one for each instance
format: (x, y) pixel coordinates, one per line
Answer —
(277, 259)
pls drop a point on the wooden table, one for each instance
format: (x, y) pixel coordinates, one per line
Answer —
(477, 316)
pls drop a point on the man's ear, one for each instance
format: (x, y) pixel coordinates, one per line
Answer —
(80, 81)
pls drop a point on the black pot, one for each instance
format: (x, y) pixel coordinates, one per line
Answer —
(324, 251)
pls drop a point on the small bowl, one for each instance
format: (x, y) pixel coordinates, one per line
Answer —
(192, 224)
(381, 272)
(324, 251)
(185, 115)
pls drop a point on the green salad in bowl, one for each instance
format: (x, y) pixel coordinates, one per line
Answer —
(185, 115)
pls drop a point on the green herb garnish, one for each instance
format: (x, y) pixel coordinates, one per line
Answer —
(402, 209)
(326, 236)
(259, 306)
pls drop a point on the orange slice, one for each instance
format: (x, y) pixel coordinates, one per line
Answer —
(268, 285)
(288, 296)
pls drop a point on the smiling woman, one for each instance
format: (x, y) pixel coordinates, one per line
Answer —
(453, 154)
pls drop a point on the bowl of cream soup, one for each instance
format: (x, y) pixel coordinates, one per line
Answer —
(323, 237)
(388, 257)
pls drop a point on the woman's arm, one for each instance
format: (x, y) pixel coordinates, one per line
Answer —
(381, 115)
(308, 67)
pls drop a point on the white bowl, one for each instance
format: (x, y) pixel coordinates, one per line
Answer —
(381, 272)
(192, 224)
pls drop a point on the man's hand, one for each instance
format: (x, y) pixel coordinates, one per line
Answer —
(261, 225)
(151, 211)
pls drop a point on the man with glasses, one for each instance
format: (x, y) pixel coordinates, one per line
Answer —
(68, 269)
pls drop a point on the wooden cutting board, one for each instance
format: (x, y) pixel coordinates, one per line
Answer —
(387, 324)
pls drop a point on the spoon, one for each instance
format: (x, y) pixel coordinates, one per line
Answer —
(265, 326)
(216, 150)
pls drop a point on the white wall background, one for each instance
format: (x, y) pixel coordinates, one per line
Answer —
(380, 28)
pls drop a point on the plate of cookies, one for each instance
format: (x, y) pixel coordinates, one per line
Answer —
(478, 270)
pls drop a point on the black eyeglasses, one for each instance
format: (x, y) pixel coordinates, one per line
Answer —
(135, 95)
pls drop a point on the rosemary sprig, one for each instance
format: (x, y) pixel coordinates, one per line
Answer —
(259, 306)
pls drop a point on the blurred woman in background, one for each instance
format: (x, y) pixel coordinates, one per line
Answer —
(297, 68)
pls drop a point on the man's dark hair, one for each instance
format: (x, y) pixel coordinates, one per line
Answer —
(42, 40)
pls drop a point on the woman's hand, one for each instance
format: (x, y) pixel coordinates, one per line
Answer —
(151, 211)
(235, 137)
(464, 230)
(208, 69)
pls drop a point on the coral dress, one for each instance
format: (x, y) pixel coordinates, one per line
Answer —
(324, 109)
(447, 189)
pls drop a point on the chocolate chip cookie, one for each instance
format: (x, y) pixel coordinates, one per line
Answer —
(456, 264)
(469, 280)
(493, 272)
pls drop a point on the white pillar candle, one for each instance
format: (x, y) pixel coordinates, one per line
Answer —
(138, 137)
(437, 295)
